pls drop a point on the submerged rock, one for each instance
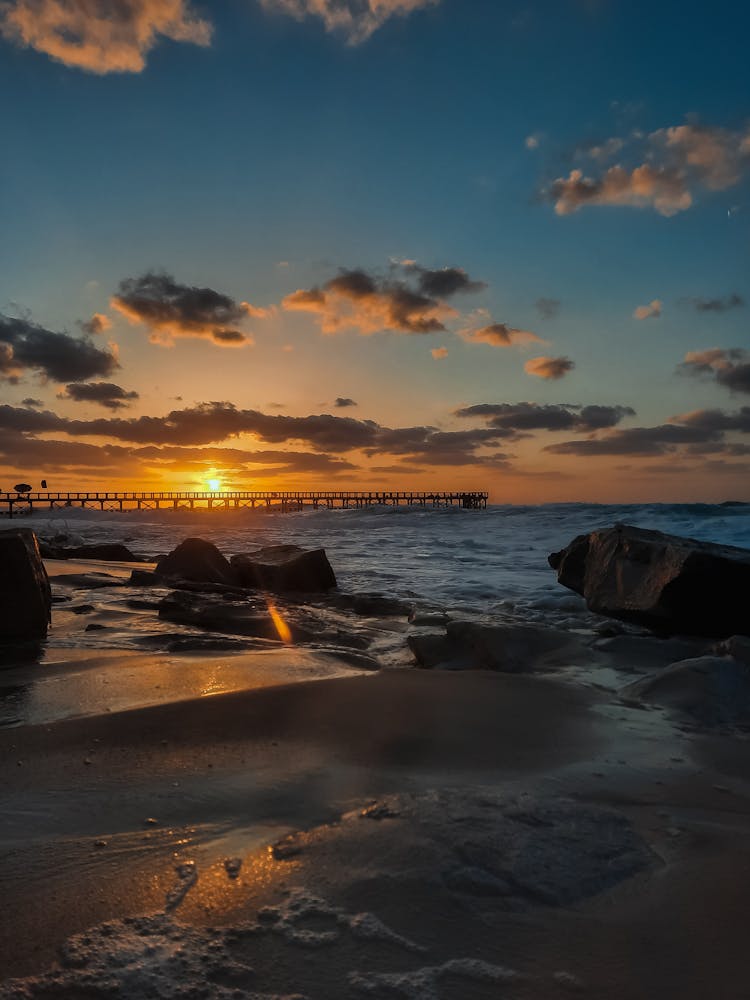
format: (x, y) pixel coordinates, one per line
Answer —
(197, 560)
(665, 582)
(25, 597)
(279, 568)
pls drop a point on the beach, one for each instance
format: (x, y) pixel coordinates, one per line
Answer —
(258, 819)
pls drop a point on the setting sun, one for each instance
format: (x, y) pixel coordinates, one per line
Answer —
(214, 485)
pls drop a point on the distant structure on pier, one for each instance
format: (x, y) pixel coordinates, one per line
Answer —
(12, 504)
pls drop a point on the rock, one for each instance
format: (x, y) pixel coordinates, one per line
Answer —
(713, 689)
(648, 652)
(737, 646)
(114, 552)
(511, 648)
(197, 560)
(279, 568)
(25, 597)
(665, 582)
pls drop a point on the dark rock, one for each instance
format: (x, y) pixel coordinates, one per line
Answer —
(665, 582)
(198, 560)
(87, 581)
(114, 552)
(25, 597)
(279, 568)
(713, 689)
(145, 578)
(82, 609)
(648, 652)
(737, 646)
(510, 648)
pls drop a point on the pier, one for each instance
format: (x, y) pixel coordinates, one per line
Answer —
(15, 504)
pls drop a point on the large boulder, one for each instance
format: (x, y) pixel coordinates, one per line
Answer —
(25, 598)
(279, 568)
(197, 560)
(665, 582)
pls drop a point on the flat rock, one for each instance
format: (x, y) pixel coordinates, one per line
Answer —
(108, 552)
(666, 582)
(513, 648)
(713, 689)
(25, 597)
(280, 568)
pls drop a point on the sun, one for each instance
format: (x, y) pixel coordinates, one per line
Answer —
(214, 485)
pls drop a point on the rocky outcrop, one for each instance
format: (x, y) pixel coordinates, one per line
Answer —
(25, 599)
(279, 568)
(199, 561)
(664, 582)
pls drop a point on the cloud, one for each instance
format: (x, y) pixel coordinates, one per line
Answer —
(729, 367)
(343, 401)
(674, 163)
(733, 301)
(30, 401)
(443, 282)
(439, 353)
(549, 368)
(25, 346)
(498, 335)
(522, 417)
(651, 311)
(97, 324)
(114, 397)
(716, 156)
(101, 36)
(644, 441)
(548, 308)
(717, 420)
(171, 310)
(532, 141)
(360, 301)
(356, 20)
(662, 188)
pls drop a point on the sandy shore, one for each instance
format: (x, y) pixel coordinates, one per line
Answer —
(438, 835)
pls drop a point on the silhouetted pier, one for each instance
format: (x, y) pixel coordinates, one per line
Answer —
(13, 504)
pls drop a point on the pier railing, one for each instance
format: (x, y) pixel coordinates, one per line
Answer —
(13, 504)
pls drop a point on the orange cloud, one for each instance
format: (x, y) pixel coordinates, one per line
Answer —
(439, 353)
(499, 335)
(355, 19)
(109, 36)
(355, 300)
(662, 188)
(97, 324)
(651, 311)
(549, 368)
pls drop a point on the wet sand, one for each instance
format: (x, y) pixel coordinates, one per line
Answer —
(99, 811)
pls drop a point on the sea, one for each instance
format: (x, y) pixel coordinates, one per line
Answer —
(482, 559)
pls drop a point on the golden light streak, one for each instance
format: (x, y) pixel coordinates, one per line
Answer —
(285, 633)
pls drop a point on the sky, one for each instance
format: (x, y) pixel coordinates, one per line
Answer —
(377, 244)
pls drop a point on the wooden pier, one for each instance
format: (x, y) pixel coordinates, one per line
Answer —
(14, 504)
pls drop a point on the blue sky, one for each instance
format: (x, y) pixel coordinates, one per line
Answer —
(269, 152)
